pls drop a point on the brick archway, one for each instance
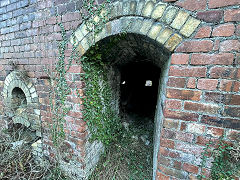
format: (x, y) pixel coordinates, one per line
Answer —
(31, 115)
(161, 22)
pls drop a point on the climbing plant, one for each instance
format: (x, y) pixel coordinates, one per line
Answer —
(224, 159)
(102, 119)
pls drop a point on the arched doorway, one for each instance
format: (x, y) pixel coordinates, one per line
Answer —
(152, 33)
(137, 65)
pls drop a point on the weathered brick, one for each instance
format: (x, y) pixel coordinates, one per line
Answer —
(215, 132)
(236, 86)
(181, 115)
(237, 32)
(171, 124)
(222, 72)
(25, 26)
(5, 2)
(168, 134)
(192, 5)
(226, 85)
(184, 94)
(196, 128)
(163, 152)
(173, 104)
(191, 83)
(230, 45)
(210, 16)
(207, 84)
(12, 7)
(176, 82)
(169, 0)
(232, 99)
(216, 45)
(174, 154)
(232, 15)
(203, 59)
(161, 176)
(187, 71)
(221, 122)
(177, 165)
(167, 143)
(233, 135)
(196, 46)
(164, 161)
(173, 172)
(190, 168)
(185, 137)
(201, 107)
(180, 58)
(222, 3)
(224, 30)
(214, 97)
(189, 148)
(204, 32)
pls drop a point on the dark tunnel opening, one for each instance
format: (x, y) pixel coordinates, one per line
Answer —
(139, 91)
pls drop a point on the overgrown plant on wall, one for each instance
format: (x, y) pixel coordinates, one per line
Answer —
(102, 119)
(225, 160)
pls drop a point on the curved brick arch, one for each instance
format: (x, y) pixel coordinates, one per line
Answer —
(161, 22)
(166, 24)
(18, 79)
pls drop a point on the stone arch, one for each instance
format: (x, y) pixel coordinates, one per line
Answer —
(166, 24)
(161, 22)
(19, 80)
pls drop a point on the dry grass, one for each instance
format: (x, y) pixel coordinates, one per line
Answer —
(18, 163)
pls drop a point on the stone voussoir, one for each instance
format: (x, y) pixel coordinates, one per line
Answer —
(155, 30)
(179, 20)
(146, 25)
(190, 26)
(158, 10)
(164, 35)
(173, 41)
(148, 8)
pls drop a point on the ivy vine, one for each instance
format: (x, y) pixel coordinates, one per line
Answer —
(99, 112)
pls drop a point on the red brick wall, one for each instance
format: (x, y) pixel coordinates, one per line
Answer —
(202, 91)
(203, 99)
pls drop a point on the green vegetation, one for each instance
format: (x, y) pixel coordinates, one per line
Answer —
(225, 160)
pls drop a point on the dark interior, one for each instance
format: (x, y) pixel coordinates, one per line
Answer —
(139, 88)
(18, 98)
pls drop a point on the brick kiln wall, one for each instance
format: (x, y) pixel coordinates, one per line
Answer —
(202, 91)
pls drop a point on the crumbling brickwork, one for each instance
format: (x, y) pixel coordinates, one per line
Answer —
(200, 98)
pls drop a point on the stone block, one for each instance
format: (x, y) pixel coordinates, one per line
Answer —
(158, 11)
(116, 26)
(169, 15)
(147, 10)
(190, 26)
(84, 30)
(84, 44)
(78, 35)
(80, 49)
(172, 43)
(116, 9)
(164, 35)
(126, 7)
(146, 26)
(154, 31)
(133, 7)
(140, 6)
(179, 20)
(136, 26)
